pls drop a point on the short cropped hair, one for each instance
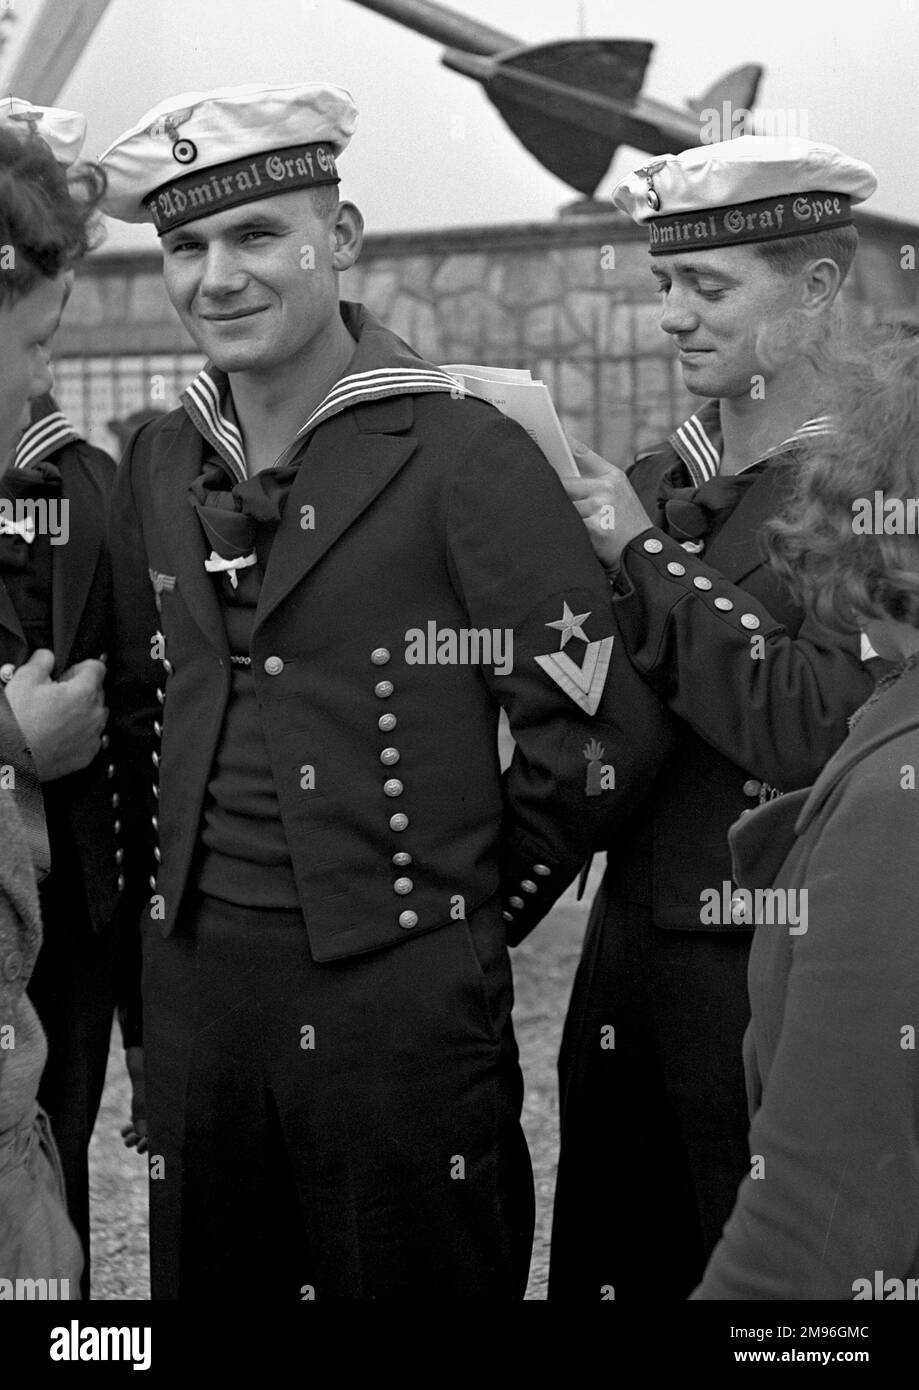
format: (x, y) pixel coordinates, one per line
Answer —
(48, 214)
(325, 198)
(788, 255)
(844, 576)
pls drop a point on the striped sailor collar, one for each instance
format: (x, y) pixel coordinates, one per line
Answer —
(382, 365)
(47, 430)
(698, 442)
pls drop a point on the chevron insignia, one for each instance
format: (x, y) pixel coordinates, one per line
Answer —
(583, 684)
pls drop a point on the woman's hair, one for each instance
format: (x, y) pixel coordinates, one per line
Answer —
(48, 214)
(830, 542)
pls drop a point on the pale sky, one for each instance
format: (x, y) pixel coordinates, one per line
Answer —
(430, 150)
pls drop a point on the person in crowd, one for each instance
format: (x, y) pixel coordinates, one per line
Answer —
(331, 572)
(55, 619)
(48, 727)
(830, 1209)
(750, 242)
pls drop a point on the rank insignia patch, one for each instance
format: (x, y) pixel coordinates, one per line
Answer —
(583, 684)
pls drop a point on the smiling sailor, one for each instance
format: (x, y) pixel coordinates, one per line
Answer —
(333, 1090)
(749, 242)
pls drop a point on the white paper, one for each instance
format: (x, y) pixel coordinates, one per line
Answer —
(517, 395)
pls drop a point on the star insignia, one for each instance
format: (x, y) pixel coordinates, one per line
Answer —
(569, 625)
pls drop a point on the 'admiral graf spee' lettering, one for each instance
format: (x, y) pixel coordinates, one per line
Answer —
(240, 181)
(764, 220)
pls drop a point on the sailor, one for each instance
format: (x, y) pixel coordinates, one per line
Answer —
(750, 242)
(332, 1087)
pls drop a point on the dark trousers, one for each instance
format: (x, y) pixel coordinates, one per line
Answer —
(654, 1127)
(343, 1131)
(73, 991)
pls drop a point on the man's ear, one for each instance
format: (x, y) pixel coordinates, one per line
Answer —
(348, 236)
(822, 280)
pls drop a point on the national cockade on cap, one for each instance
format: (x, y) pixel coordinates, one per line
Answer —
(754, 188)
(202, 152)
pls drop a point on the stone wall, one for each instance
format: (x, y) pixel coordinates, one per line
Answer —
(572, 300)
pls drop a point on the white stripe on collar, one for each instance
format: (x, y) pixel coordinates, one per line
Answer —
(43, 437)
(201, 399)
(699, 453)
(373, 386)
(703, 458)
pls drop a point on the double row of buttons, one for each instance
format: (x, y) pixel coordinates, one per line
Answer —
(155, 759)
(392, 787)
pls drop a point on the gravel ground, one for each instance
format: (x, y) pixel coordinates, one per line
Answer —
(543, 969)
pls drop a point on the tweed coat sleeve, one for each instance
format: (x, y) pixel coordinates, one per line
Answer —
(20, 921)
(521, 560)
(836, 1126)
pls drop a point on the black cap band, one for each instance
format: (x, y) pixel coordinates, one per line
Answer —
(766, 219)
(239, 181)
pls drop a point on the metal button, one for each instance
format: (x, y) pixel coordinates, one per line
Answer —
(157, 727)
(528, 885)
(508, 916)
(408, 919)
(749, 620)
(653, 546)
(167, 665)
(7, 671)
(116, 801)
(119, 856)
(382, 689)
(273, 665)
(693, 547)
(154, 758)
(752, 787)
(518, 903)
(117, 827)
(156, 791)
(399, 821)
(159, 695)
(154, 822)
(389, 756)
(541, 869)
(104, 741)
(379, 656)
(386, 722)
(119, 884)
(393, 787)
(110, 770)
(724, 604)
(402, 860)
(674, 567)
(702, 581)
(738, 909)
(12, 966)
(152, 880)
(403, 885)
(156, 854)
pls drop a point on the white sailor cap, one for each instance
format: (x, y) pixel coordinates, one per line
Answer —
(201, 152)
(754, 188)
(63, 131)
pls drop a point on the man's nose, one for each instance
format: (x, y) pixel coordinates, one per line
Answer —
(678, 314)
(222, 273)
